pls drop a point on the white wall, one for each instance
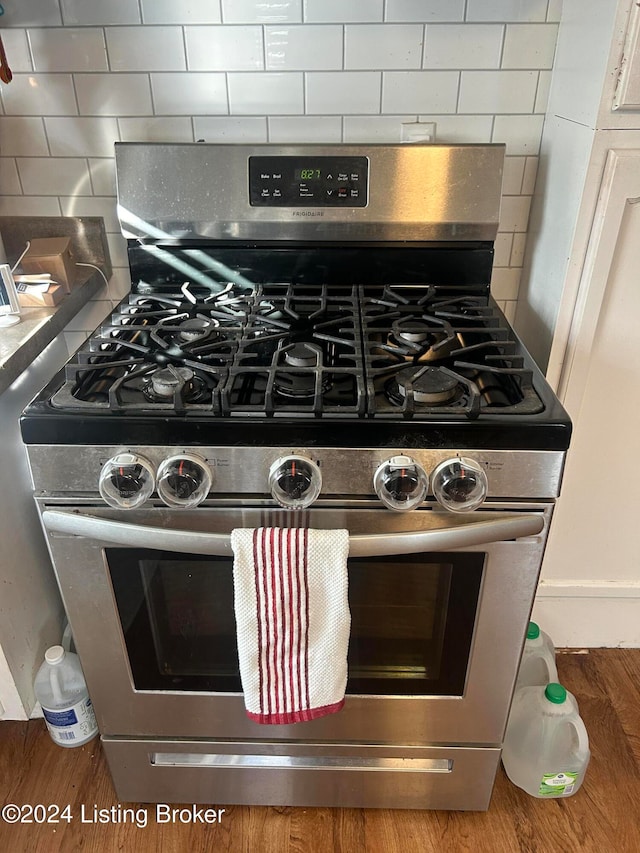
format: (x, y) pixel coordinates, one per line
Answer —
(89, 72)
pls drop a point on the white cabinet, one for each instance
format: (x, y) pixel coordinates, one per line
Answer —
(578, 312)
(590, 593)
(627, 85)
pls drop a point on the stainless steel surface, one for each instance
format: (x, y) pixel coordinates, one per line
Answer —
(416, 192)
(244, 471)
(478, 717)
(349, 783)
(322, 762)
(474, 531)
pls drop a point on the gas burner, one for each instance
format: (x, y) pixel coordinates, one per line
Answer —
(196, 328)
(416, 339)
(299, 385)
(163, 385)
(430, 386)
(302, 355)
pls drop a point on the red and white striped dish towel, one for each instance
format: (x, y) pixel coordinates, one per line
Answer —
(292, 621)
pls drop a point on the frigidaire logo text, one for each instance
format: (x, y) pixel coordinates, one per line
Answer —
(308, 212)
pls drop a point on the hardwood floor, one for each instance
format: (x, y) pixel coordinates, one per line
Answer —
(603, 816)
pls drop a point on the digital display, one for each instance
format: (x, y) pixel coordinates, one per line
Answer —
(306, 174)
(308, 181)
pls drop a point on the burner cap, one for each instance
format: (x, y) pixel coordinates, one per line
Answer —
(165, 382)
(430, 385)
(301, 355)
(196, 327)
(413, 331)
(299, 385)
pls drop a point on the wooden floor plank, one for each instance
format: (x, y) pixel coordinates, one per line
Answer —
(604, 814)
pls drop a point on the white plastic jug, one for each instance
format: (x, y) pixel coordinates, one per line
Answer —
(61, 690)
(546, 746)
(538, 664)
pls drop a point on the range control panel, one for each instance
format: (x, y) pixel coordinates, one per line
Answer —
(308, 181)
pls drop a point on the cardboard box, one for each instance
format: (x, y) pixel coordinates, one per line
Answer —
(32, 296)
(52, 255)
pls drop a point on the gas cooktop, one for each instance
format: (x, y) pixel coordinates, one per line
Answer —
(256, 321)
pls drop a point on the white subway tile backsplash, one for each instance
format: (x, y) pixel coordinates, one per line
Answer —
(497, 91)
(155, 129)
(117, 249)
(529, 45)
(512, 175)
(31, 13)
(305, 129)
(506, 10)
(469, 46)
(39, 95)
(265, 70)
(502, 249)
(530, 174)
(145, 48)
(505, 282)
(54, 175)
(517, 250)
(340, 92)
(23, 205)
(326, 11)
(113, 94)
(261, 11)
(266, 93)
(522, 134)
(554, 11)
(119, 284)
(81, 137)
(224, 48)
(542, 95)
(374, 128)
(514, 213)
(189, 93)
(509, 309)
(229, 129)
(303, 48)
(176, 12)
(68, 49)
(17, 49)
(103, 175)
(420, 91)
(381, 46)
(99, 12)
(418, 10)
(454, 128)
(9, 180)
(23, 137)
(92, 206)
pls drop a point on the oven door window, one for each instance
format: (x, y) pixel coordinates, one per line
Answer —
(412, 621)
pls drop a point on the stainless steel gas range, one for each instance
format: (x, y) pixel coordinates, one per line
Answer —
(309, 342)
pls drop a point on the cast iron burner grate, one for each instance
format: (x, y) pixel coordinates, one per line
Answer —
(302, 350)
(428, 351)
(300, 355)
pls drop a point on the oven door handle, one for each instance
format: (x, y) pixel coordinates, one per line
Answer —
(474, 532)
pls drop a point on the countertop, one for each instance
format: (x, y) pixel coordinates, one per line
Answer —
(22, 343)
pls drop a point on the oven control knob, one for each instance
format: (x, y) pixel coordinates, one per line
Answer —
(295, 481)
(400, 483)
(184, 480)
(459, 484)
(126, 481)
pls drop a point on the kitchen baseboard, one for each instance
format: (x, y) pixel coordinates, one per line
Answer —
(590, 613)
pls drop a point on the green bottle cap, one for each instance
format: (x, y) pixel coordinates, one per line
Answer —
(555, 693)
(533, 631)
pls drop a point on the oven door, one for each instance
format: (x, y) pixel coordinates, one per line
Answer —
(439, 605)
